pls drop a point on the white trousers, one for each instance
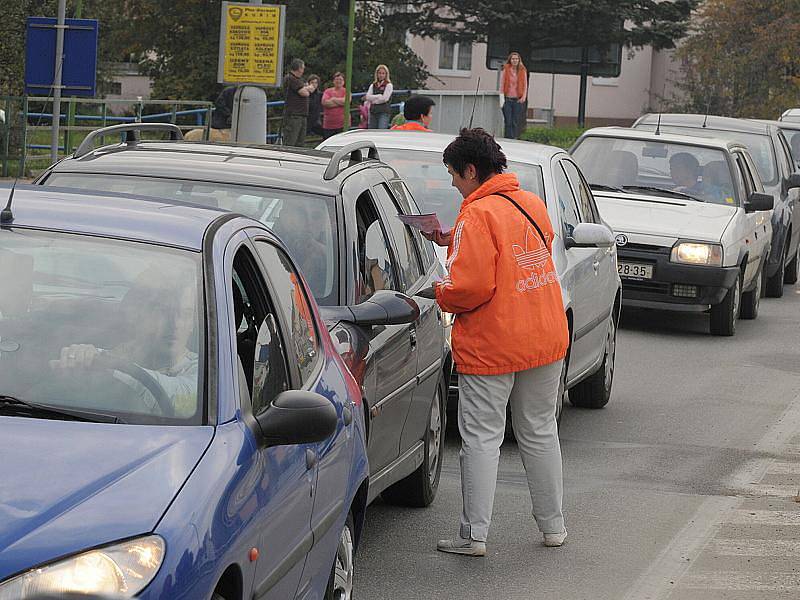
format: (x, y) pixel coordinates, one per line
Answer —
(482, 420)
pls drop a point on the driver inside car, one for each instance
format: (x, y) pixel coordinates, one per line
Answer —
(159, 313)
(685, 172)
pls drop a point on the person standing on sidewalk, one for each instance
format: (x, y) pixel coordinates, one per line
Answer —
(295, 108)
(333, 101)
(379, 96)
(513, 94)
(509, 339)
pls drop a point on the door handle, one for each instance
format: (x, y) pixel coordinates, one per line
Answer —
(311, 458)
(412, 334)
(596, 265)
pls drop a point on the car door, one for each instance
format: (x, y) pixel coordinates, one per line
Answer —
(793, 194)
(755, 233)
(428, 333)
(284, 478)
(583, 262)
(391, 371)
(333, 456)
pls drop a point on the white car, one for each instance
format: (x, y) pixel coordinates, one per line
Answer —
(583, 251)
(791, 115)
(692, 221)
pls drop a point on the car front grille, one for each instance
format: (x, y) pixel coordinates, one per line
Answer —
(648, 287)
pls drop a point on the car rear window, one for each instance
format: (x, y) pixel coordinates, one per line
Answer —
(306, 223)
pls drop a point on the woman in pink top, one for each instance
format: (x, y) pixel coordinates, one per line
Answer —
(333, 100)
(514, 89)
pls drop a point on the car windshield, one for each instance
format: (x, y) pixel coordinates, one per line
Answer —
(102, 326)
(431, 184)
(305, 222)
(701, 173)
(759, 146)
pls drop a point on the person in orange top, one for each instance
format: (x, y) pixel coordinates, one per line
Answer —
(509, 339)
(418, 114)
(513, 94)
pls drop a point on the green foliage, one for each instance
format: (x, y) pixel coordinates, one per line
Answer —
(562, 137)
(741, 59)
(542, 23)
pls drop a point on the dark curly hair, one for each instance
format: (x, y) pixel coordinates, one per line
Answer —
(475, 147)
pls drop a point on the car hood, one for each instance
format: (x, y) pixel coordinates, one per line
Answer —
(67, 486)
(665, 217)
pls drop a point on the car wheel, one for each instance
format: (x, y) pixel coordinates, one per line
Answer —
(595, 390)
(793, 268)
(750, 300)
(419, 488)
(340, 583)
(775, 283)
(724, 314)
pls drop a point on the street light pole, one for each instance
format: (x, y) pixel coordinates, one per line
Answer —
(59, 61)
(348, 69)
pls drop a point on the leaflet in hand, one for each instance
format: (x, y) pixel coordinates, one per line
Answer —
(427, 223)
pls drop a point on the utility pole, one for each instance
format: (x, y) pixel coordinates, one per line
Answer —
(584, 83)
(59, 62)
(71, 109)
(249, 119)
(348, 69)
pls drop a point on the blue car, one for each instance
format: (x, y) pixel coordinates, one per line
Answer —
(175, 421)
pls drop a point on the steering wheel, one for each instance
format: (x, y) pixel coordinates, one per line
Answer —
(143, 377)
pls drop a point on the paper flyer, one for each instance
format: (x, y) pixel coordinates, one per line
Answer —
(427, 223)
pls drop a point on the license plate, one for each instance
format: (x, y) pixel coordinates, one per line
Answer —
(635, 270)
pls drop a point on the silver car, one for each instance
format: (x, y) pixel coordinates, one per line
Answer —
(583, 251)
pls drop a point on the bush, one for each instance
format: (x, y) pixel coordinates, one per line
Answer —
(563, 137)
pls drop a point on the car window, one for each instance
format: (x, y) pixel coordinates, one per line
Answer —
(697, 171)
(405, 196)
(793, 137)
(306, 223)
(749, 184)
(259, 346)
(407, 252)
(740, 176)
(752, 172)
(376, 266)
(102, 325)
(566, 201)
(292, 300)
(588, 211)
(786, 154)
(759, 146)
(431, 184)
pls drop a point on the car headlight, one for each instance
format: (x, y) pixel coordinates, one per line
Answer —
(121, 570)
(447, 319)
(697, 254)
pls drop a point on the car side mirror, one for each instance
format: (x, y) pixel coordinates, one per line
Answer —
(793, 181)
(385, 307)
(590, 235)
(297, 417)
(758, 201)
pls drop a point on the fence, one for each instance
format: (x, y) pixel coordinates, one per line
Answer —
(25, 131)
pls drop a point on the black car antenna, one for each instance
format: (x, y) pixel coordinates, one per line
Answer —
(6, 216)
(658, 125)
(705, 119)
(474, 100)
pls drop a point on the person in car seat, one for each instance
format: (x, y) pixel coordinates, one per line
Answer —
(685, 172)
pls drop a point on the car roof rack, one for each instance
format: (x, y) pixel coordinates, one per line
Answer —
(356, 156)
(131, 132)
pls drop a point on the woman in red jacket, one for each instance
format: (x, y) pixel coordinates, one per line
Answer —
(509, 339)
(513, 94)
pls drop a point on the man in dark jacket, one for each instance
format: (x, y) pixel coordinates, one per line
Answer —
(295, 109)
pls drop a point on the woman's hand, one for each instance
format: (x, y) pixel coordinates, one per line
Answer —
(439, 237)
(75, 356)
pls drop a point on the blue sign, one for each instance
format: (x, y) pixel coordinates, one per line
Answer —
(79, 76)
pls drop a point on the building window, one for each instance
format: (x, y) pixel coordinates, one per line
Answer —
(455, 56)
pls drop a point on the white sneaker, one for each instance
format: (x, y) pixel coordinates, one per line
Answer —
(462, 546)
(554, 540)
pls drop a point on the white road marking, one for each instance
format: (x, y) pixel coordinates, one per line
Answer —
(784, 468)
(736, 581)
(749, 547)
(764, 517)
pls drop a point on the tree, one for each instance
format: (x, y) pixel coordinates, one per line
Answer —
(741, 59)
(544, 23)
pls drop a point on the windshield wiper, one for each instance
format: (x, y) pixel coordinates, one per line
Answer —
(24, 408)
(650, 188)
(603, 186)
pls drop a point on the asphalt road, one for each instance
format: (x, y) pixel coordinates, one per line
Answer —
(680, 488)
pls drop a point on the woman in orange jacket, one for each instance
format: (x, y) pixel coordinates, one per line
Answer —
(513, 94)
(509, 339)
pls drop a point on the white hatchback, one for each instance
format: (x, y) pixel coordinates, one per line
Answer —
(583, 251)
(692, 221)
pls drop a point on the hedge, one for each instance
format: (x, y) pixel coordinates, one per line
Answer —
(563, 137)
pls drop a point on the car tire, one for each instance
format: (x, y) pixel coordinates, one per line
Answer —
(724, 314)
(340, 582)
(774, 287)
(751, 299)
(792, 272)
(419, 489)
(595, 390)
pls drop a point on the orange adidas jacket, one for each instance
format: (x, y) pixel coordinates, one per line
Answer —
(410, 126)
(502, 284)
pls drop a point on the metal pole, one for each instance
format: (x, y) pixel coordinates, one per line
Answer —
(71, 110)
(348, 70)
(584, 83)
(62, 15)
(552, 117)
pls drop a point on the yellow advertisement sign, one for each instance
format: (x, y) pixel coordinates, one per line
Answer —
(251, 44)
